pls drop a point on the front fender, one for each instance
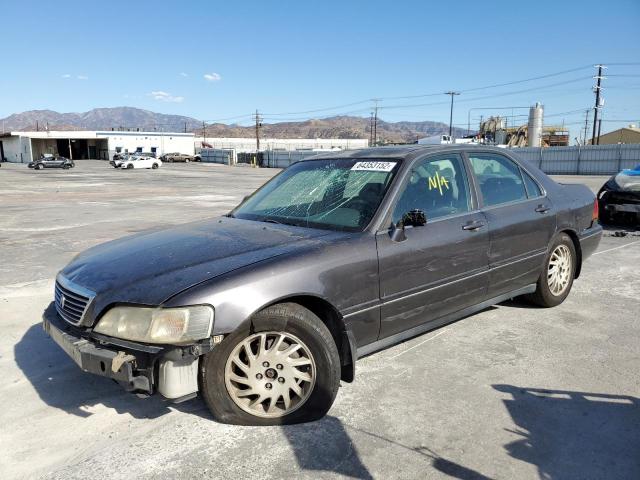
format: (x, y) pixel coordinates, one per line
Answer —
(343, 274)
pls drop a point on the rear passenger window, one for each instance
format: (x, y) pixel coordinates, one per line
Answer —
(499, 179)
(533, 190)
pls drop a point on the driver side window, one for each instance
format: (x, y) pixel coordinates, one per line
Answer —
(438, 186)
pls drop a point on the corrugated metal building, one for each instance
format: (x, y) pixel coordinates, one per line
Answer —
(630, 134)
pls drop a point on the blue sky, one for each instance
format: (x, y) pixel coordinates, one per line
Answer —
(214, 60)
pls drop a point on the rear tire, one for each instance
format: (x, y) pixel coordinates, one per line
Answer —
(233, 393)
(556, 278)
(129, 167)
(154, 166)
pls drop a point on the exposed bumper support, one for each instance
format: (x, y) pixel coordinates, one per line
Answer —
(118, 365)
(623, 207)
(171, 371)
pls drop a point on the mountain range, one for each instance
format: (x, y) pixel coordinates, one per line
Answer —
(145, 120)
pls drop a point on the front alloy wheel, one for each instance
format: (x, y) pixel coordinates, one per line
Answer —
(282, 366)
(270, 374)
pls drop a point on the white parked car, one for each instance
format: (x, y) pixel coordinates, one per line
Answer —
(141, 162)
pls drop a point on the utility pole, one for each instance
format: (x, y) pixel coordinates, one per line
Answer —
(597, 89)
(586, 125)
(204, 133)
(452, 93)
(371, 129)
(258, 125)
(375, 120)
(37, 126)
(599, 127)
(185, 127)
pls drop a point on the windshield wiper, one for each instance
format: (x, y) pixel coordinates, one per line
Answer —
(277, 222)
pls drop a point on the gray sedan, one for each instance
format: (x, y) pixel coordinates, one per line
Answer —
(265, 310)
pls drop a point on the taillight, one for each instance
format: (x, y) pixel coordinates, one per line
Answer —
(596, 211)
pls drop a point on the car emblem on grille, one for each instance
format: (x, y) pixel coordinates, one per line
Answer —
(62, 300)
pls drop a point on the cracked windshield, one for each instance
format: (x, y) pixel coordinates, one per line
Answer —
(331, 194)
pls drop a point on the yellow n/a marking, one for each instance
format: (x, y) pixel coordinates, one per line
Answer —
(438, 182)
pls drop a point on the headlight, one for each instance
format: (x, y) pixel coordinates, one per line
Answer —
(157, 325)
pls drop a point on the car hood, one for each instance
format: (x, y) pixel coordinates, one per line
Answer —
(625, 181)
(149, 268)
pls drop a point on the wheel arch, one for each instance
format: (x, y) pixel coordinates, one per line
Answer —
(334, 321)
(576, 245)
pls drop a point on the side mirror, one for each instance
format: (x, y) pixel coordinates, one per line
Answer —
(396, 233)
(415, 218)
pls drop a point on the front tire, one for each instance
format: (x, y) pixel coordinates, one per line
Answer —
(557, 277)
(282, 367)
(129, 166)
(154, 166)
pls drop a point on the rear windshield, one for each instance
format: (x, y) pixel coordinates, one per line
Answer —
(335, 194)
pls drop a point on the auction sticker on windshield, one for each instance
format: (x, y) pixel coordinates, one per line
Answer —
(374, 166)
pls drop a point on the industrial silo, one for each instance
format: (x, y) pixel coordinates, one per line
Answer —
(534, 128)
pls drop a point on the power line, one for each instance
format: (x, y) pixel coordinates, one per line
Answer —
(319, 109)
(540, 77)
(275, 116)
(473, 99)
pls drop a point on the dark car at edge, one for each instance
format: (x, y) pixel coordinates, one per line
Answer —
(51, 162)
(265, 310)
(619, 199)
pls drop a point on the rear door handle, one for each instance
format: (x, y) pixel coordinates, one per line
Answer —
(473, 226)
(543, 208)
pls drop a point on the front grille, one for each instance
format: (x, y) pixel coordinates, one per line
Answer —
(71, 301)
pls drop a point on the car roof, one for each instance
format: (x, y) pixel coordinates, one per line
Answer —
(398, 151)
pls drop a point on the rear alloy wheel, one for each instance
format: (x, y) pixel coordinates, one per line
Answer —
(283, 367)
(557, 277)
(154, 166)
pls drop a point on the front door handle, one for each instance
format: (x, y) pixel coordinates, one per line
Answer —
(543, 208)
(472, 226)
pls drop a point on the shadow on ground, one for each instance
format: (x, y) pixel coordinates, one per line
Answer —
(568, 434)
(61, 384)
(318, 446)
(325, 446)
(448, 467)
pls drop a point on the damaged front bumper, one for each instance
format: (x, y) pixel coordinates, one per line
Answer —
(619, 207)
(171, 371)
